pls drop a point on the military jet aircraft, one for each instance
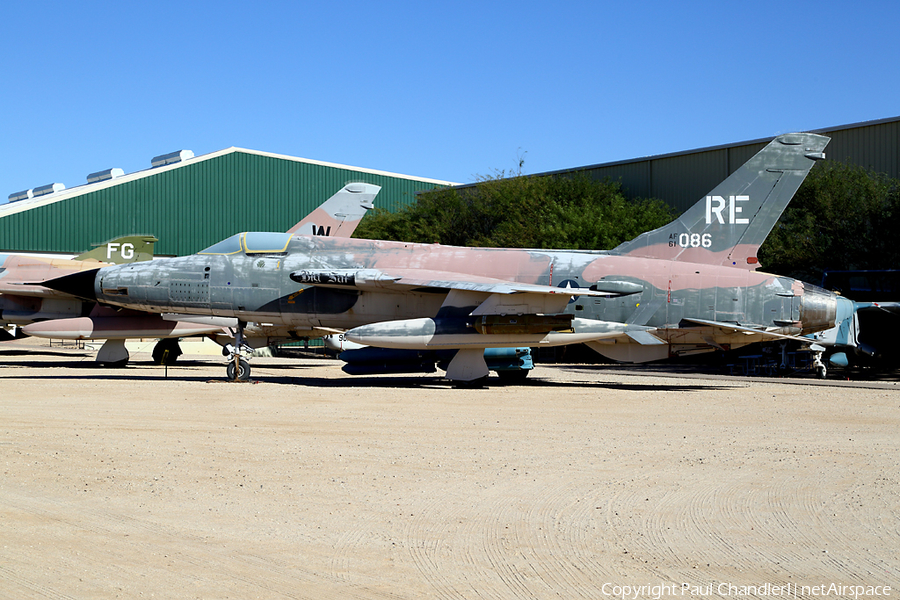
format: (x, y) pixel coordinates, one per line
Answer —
(337, 216)
(27, 305)
(861, 340)
(21, 304)
(688, 287)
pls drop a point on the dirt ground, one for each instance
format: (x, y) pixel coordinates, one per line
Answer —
(585, 483)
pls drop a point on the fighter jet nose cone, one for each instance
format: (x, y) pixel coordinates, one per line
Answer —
(80, 284)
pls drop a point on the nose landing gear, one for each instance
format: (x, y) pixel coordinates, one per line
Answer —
(238, 368)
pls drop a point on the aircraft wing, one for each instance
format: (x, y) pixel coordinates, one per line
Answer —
(489, 295)
(120, 327)
(445, 280)
(427, 280)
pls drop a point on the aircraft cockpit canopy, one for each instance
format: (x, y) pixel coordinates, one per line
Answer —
(254, 242)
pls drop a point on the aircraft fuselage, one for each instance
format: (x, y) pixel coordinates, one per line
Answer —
(657, 293)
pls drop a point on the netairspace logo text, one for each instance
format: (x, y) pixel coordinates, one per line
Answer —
(725, 590)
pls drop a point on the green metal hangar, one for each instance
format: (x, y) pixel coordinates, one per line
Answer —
(187, 202)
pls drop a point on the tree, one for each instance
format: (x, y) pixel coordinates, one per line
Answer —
(572, 211)
(843, 217)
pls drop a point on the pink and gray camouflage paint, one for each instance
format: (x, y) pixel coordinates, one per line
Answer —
(690, 286)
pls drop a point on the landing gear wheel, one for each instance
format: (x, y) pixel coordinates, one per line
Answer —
(243, 370)
(166, 351)
(821, 372)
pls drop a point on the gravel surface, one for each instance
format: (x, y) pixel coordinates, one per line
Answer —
(306, 483)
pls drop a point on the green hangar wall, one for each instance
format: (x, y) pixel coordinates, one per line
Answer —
(191, 204)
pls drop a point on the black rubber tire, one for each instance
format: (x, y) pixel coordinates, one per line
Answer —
(243, 373)
(166, 351)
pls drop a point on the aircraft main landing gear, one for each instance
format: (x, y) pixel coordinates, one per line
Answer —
(819, 365)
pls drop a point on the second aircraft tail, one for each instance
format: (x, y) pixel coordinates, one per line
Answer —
(339, 215)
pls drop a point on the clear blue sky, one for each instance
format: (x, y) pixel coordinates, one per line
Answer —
(448, 90)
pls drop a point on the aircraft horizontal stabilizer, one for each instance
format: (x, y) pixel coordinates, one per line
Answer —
(889, 307)
(30, 290)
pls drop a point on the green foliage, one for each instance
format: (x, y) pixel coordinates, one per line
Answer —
(843, 217)
(563, 211)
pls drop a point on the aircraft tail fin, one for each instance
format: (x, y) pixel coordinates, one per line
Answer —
(127, 249)
(339, 215)
(728, 226)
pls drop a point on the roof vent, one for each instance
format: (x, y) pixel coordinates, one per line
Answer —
(171, 158)
(105, 175)
(50, 188)
(25, 195)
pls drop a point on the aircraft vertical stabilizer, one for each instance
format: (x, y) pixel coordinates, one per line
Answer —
(339, 215)
(131, 248)
(729, 224)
